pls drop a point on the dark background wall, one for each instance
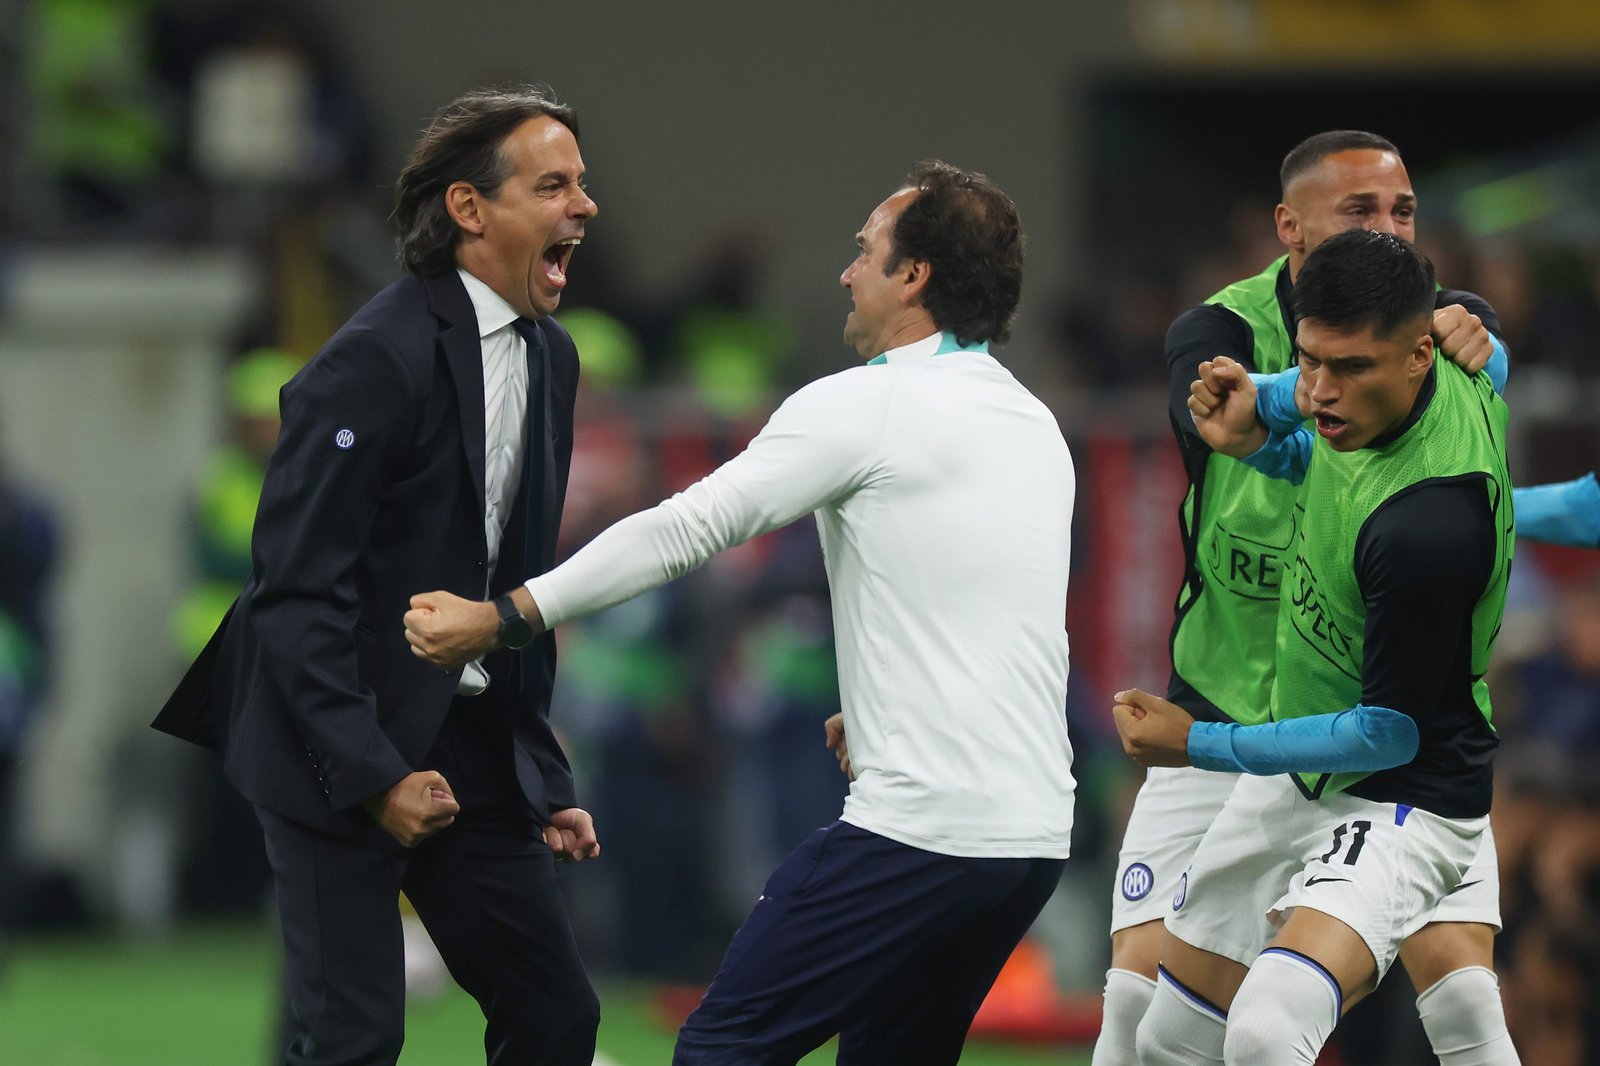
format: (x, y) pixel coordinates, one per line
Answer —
(790, 119)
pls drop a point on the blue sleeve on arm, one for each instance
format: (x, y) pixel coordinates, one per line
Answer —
(1499, 365)
(1567, 512)
(1284, 456)
(1275, 405)
(1362, 739)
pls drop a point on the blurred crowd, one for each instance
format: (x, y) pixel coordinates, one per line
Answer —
(694, 714)
(1547, 806)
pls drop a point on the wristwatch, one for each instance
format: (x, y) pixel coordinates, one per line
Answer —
(515, 632)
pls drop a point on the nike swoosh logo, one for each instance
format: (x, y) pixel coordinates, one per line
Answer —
(1319, 880)
(1464, 884)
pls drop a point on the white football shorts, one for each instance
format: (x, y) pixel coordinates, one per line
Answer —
(1174, 808)
(1383, 869)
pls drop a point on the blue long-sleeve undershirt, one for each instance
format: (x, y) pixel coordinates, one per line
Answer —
(1567, 512)
(1361, 739)
(1284, 456)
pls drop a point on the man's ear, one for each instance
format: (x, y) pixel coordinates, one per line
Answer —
(1421, 360)
(914, 275)
(463, 202)
(1289, 232)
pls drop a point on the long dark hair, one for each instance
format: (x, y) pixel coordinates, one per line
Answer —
(462, 143)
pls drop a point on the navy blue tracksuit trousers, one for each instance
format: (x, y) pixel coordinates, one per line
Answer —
(887, 945)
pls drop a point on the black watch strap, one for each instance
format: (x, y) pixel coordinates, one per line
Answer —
(515, 631)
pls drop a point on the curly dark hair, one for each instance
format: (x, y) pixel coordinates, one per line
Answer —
(968, 232)
(462, 143)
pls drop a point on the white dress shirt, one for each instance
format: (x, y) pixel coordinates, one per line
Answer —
(505, 419)
(943, 491)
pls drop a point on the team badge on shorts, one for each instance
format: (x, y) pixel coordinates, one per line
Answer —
(1137, 881)
(344, 440)
(1183, 892)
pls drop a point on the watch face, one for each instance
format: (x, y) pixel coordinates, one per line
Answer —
(516, 634)
(515, 631)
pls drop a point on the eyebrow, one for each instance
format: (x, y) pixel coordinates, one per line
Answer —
(1406, 198)
(1335, 360)
(562, 176)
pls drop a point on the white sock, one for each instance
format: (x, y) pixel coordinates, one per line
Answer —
(1284, 1012)
(1465, 1021)
(1128, 995)
(1180, 1028)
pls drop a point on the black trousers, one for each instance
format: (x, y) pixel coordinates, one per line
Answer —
(485, 888)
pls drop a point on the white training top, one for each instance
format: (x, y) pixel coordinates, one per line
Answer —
(943, 491)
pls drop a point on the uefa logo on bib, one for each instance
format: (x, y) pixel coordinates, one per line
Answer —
(1137, 881)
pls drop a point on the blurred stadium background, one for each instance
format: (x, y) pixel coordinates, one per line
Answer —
(193, 195)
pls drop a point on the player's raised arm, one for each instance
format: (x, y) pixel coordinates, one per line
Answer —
(1222, 400)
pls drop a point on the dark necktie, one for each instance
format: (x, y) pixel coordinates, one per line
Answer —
(529, 515)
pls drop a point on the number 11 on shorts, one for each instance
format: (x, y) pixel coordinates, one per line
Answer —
(1358, 837)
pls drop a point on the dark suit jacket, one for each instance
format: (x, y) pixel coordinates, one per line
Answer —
(375, 492)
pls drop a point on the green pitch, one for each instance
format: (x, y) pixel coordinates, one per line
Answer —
(205, 998)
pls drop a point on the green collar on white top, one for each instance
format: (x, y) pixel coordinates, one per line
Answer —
(947, 344)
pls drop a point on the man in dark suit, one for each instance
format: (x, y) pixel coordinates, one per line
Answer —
(427, 445)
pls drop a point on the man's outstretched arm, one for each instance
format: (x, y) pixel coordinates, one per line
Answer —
(819, 446)
(1567, 512)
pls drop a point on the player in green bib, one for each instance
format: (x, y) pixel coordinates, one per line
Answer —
(1237, 528)
(1349, 502)
(1307, 883)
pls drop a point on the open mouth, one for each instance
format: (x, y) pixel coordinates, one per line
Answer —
(556, 258)
(1329, 425)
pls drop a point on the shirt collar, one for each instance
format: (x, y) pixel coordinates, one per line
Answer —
(492, 312)
(940, 343)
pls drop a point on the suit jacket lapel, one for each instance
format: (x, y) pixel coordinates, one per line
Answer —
(463, 352)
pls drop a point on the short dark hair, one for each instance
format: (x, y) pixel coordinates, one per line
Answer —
(462, 143)
(1317, 147)
(968, 232)
(1364, 278)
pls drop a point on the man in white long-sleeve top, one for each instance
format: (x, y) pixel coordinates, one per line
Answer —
(943, 491)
